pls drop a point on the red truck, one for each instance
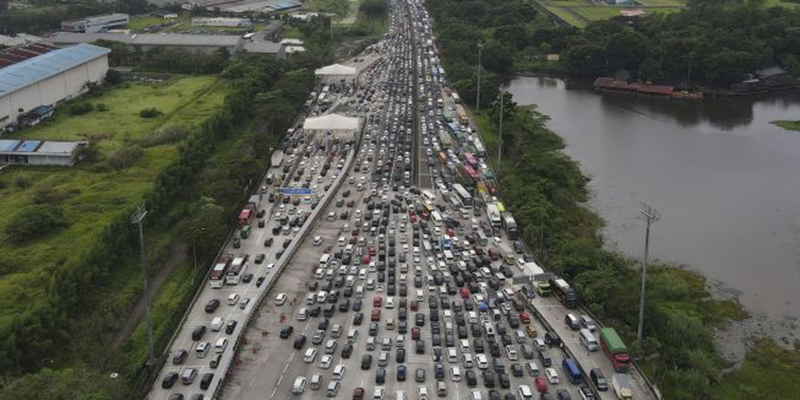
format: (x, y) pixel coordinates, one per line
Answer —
(248, 212)
(614, 349)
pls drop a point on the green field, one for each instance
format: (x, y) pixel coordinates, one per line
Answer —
(580, 13)
(89, 193)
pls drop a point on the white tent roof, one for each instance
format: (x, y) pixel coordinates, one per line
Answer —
(331, 122)
(336, 69)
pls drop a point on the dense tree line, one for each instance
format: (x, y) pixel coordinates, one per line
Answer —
(160, 59)
(47, 16)
(717, 45)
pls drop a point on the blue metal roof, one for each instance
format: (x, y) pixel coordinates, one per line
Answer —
(8, 145)
(28, 72)
(29, 146)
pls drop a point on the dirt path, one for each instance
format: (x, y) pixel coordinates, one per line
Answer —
(177, 254)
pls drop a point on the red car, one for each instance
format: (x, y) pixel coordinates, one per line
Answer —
(414, 305)
(376, 315)
(541, 384)
(451, 232)
(365, 259)
(377, 301)
(413, 219)
(354, 232)
(525, 317)
(403, 304)
(358, 393)
(371, 251)
(464, 293)
(415, 333)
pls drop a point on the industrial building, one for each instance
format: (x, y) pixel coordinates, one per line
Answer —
(223, 22)
(49, 78)
(209, 43)
(100, 23)
(39, 152)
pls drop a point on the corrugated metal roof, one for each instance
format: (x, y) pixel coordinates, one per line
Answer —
(28, 72)
(8, 145)
(57, 147)
(29, 146)
(149, 39)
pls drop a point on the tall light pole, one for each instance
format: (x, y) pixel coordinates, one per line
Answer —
(194, 251)
(478, 100)
(500, 136)
(651, 215)
(136, 218)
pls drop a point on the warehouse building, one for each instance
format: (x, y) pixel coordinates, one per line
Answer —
(223, 22)
(145, 41)
(39, 152)
(49, 78)
(100, 23)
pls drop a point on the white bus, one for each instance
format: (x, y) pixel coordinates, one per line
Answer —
(436, 217)
(216, 279)
(237, 269)
(463, 195)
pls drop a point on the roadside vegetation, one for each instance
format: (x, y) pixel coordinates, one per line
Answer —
(45, 16)
(788, 125)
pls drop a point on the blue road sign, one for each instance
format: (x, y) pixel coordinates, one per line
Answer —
(299, 191)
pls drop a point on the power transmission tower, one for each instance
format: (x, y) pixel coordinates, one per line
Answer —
(136, 218)
(651, 215)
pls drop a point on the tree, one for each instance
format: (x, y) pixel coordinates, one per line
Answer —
(626, 50)
(586, 60)
(33, 221)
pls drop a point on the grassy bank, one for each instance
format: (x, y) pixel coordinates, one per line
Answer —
(90, 195)
(546, 192)
(788, 125)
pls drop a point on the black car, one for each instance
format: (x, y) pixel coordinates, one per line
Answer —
(347, 350)
(366, 361)
(358, 318)
(260, 280)
(246, 278)
(420, 346)
(260, 258)
(230, 326)
(401, 355)
(300, 341)
(505, 383)
(488, 379)
(419, 319)
(268, 242)
(212, 306)
(472, 378)
(169, 380)
(516, 370)
(438, 369)
(286, 332)
(180, 357)
(380, 376)
(198, 332)
(401, 373)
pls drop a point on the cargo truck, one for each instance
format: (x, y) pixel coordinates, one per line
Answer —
(538, 278)
(509, 256)
(494, 215)
(248, 212)
(510, 226)
(622, 387)
(277, 158)
(564, 292)
(614, 349)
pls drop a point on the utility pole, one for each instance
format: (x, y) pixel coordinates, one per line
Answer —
(651, 215)
(478, 101)
(194, 251)
(136, 218)
(500, 136)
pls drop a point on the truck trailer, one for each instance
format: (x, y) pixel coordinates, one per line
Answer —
(622, 387)
(614, 349)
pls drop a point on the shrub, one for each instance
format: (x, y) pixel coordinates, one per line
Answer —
(149, 113)
(125, 157)
(34, 220)
(22, 181)
(164, 135)
(81, 108)
(102, 107)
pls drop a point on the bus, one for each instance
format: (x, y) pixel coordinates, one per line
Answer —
(236, 270)
(437, 218)
(428, 195)
(217, 276)
(470, 160)
(463, 195)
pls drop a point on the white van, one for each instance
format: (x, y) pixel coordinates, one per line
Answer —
(464, 346)
(333, 389)
(352, 336)
(221, 345)
(323, 261)
(525, 392)
(588, 340)
(420, 295)
(216, 324)
(311, 298)
(322, 296)
(467, 358)
(360, 291)
(473, 317)
(338, 372)
(302, 315)
(202, 349)
(362, 275)
(370, 284)
(299, 385)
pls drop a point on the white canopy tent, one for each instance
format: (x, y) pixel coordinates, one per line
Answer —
(339, 125)
(336, 73)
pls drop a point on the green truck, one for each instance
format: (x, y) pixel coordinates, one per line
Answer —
(614, 349)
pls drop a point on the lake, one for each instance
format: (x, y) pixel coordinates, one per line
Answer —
(725, 181)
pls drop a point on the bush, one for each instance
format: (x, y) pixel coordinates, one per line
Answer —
(164, 135)
(124, 158)
(22, 181)
(34, 220)
(113, 77)
(81, 108)
(102, 107)
(149, 113)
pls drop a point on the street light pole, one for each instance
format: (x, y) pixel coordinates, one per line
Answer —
(651, 215)
(478, 101)
(136, 218)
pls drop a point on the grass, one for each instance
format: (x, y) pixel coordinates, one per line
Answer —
(564, 14)
(789, 125)
(768, 372)
(90, 193)
(580, 13)
(138, 23)
(338, 7)
(779, 3)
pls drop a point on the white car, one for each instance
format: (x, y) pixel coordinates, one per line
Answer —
(552, 375)
(476, 395)
(233, 299)
(483, 363)
(455, 373)
(423, 393)
(310, 356)
(325, 363)
(318, 240)
(280, 299)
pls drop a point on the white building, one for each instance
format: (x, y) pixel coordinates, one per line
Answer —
(100, 23)
(223, 22)
(336, 73)
(39, 152)
(49, 78)
(336, 125)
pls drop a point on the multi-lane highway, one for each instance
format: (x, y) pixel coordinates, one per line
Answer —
(385, 282)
